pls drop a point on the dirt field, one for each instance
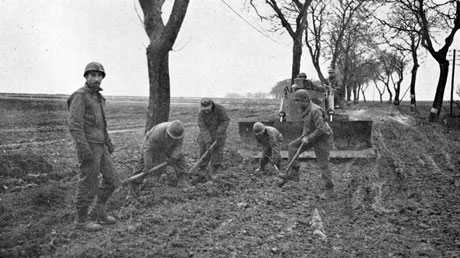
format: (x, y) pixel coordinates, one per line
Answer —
(403, 203)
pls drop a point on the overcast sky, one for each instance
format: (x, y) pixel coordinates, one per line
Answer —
(45, 45)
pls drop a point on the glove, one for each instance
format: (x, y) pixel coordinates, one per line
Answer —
(171, 160)
(86, 156)
(110, 146)
(305, 140)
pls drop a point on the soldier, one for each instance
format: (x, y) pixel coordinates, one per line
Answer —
(316, 134)
(269, 139)
(163, 142)
(88, 127)
(213, 122)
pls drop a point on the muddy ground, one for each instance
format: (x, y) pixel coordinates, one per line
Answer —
(403, 203)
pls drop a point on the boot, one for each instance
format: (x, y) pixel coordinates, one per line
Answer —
(294, 175)
(81, 222)
(133, 188)
(328, 194)
(184, 181)
(99, 214)
(215, 171)
(260, 170)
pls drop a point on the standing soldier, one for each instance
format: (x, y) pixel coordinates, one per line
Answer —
(213, 122)
(316, 134)
(270, 139)
(88, 128)
(162, 143)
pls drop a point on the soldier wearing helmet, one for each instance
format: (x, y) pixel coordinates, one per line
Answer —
(316, 134)
(88, 127)
(213, 122)
(163, 142)
(269, 139)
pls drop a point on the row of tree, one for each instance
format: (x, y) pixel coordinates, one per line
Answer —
(367, 41)
(363, 40)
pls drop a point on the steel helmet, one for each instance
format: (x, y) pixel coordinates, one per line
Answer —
(258, 128)
(175, 129)
(301, 95)
(94, 67)
(295, 87)
(304, 75)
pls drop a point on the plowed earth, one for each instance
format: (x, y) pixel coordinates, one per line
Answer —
(403, 203)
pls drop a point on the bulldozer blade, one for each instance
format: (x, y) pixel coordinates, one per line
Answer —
(352, 139)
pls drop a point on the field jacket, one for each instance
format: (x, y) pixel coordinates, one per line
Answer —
(157, 142)
(87, 119)
(213, 125)
(272, 139)
(315, 125)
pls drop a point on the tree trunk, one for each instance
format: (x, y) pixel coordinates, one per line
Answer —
(296, 57)
(159, 100)
(162, 39)
(437, 103)
(413, 103)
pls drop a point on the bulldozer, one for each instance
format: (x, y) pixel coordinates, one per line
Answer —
(352, 138)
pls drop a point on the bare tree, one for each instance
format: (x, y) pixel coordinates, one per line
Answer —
(400, 64)
(443, 15)
(162, 38)
(343, 13)
(316, 19)
(293, 18)
(404, 35)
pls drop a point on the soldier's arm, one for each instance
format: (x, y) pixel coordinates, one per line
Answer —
(320, 125)
(177, 151)
(224, 122)
(148, 154)
(77, 123)
(204, 130)
(275, 145)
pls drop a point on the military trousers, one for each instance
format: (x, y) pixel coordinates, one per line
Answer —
(322, 149)
(89, 185)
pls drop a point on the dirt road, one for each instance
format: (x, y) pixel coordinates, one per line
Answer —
(403, 203)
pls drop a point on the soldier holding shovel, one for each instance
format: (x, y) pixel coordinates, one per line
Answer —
(213, 122)
(316, 134)
(162, 143)
(269, 139)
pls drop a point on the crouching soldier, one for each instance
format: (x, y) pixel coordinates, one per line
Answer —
(213, 123)
(269, 139)
(88, 128)
(162, 143)
(316, 134)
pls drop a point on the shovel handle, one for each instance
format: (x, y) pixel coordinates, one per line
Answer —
(144, 173)
(202, 158)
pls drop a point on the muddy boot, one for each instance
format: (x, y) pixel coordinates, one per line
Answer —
(99, 214)
(328, 194)
(215, 171)
(294, 175)
(133, 188)
(184, 181)
(82, 223)
(260, 170)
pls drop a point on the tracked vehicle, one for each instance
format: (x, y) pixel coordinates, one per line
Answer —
(352, 138)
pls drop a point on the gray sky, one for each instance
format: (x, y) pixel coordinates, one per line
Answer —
(45, 45)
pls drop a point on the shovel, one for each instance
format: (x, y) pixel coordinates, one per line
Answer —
(285, 180)
(192, 169)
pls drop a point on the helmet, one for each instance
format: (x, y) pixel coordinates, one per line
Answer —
(94, 67)
(258, 128)
(302, 75)
(175, 129)
(301, 95)
(295, 87)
